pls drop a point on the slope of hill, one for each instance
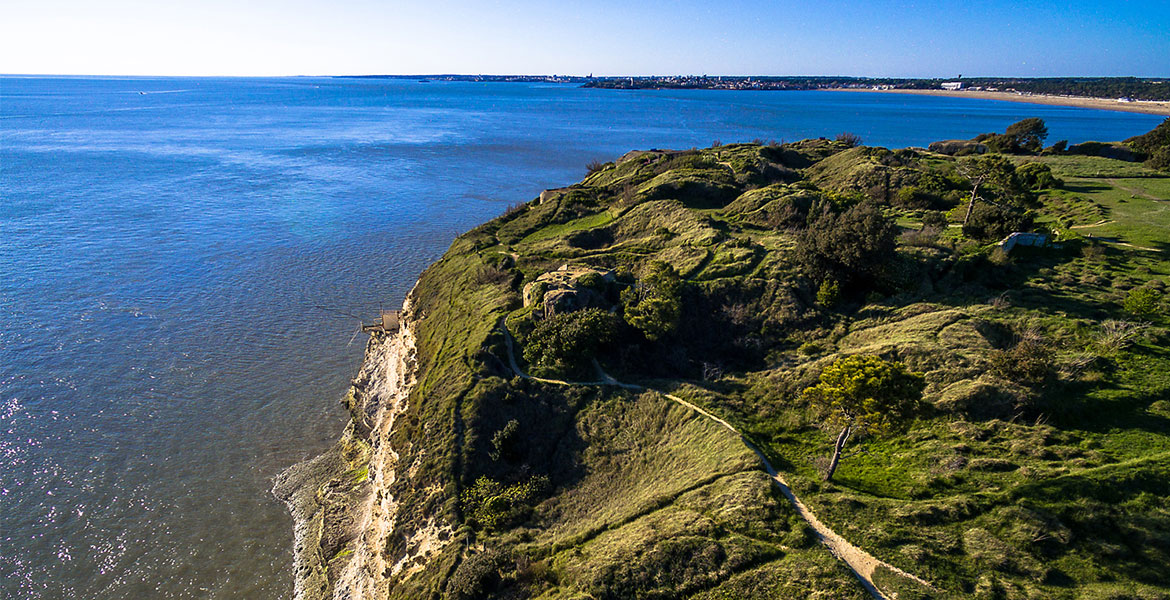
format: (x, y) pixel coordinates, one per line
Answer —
(1037, 464)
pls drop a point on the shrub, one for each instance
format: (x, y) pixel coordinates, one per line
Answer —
(1037, 176)
(851, 140)
(594, 166)
(592, 280)
(1087, 148)
(990, 223)
(934, 218)
(829, 293)
(927, 236)
(491, 505)
(1118, 335)
(852, 247)
(810, 348)
(914, 197)
(1159, 159)
(476, 576)
(569, 340)
(1094, 252)
(1155, 145)
(504, 441)
(1028, 361)
(1142, 301)
(653, 305)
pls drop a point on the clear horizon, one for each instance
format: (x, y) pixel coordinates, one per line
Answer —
(575, 75)
(992, 38)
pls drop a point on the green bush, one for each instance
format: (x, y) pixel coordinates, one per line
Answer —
(1037, 176)
(1028, 361)
(592, 280)
(504, 442)
(491, 505)
(852, 247)
(1142, 301)
(829, 293)
(1159, 159)
(1155, 145)
(476, 576)
(569, 341)
(914, 197)
(990, 223)
(653, 305)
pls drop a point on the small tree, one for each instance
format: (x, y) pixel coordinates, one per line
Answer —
(865, 395)
(1027, 135)
(993, 181)
(653, 305)
(1023, 137)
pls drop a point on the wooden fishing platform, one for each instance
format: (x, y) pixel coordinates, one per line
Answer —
(387, 324)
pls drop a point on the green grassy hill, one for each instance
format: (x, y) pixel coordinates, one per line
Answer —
(1037, 467)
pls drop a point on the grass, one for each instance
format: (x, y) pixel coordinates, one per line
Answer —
(1131, 215)
(560, 230)
(1092, 167)
(919, 493)
(1000, 489)
(1110, 199)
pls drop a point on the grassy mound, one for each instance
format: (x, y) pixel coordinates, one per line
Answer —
(1038, 470)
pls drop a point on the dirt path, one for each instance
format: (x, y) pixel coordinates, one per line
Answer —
(1097, 224)
(862, 563)
(1134, 191)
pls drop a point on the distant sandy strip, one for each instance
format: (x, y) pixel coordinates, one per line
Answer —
(1152, 108)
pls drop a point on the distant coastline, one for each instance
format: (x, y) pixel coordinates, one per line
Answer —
(1146, 107)
(1124, 94)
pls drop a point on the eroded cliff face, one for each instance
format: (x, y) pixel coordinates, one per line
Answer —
(344, 502)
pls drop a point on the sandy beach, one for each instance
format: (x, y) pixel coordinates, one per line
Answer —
(1152, 108)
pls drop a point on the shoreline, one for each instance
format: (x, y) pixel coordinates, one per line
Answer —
(1149, 108)
(342, 524)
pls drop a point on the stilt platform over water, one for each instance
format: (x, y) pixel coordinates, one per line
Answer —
(388, 323)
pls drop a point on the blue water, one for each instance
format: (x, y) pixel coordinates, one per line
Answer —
(166, 246)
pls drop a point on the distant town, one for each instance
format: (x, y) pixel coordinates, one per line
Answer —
(1119, 88)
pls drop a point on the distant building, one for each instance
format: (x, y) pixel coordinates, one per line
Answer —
(952, 85)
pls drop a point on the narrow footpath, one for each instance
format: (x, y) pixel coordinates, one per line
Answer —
(862, 563)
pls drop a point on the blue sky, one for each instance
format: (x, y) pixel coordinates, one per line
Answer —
(734, 37)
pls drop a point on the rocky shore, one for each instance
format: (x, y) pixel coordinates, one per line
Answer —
(341, 501)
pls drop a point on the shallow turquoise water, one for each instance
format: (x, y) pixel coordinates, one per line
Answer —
(166, 246)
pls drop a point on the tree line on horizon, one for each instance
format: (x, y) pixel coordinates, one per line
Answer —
(1136, 88)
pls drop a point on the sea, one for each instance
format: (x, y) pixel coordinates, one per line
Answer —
(185, 264)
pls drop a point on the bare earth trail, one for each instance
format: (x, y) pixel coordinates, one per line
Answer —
(1135, 191)
(862, 563)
